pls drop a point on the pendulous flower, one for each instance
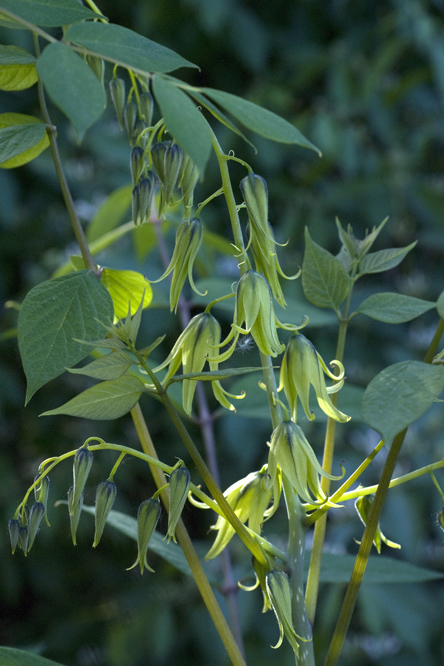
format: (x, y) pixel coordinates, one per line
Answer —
(192, 350)
(303, 367)
(249, 498)
(291, 453)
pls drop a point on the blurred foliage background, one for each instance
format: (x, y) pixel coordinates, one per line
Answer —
(365, 82)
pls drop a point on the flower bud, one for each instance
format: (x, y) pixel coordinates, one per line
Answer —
(130, 119)
(147, 518)
(279, 593)
(158, 152)
(179, 487)
(35, 518)
(24, 538)
(14, 532)
(146, 187)
(117, 91)
(187, 180)
(83, 461)
(136, 164)
(135, 205)
(105, 496)
(146, 106)
(75, 509)
(97, 65)
(41, 493)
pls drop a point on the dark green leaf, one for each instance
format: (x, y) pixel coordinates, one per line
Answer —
(384, 260)
(103, 402)
(399, 395)
(18, 139)
(184, 121)
(49, 12)
(380, 569)
(258, 119)
(217, 113)
(394, 308)
(72, 85)
(13, 55)
(111, 366)
(52, 315)
(324, 279)
(125, 47)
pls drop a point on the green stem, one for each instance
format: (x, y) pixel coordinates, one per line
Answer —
(314, 572)
(69, 203)
(354, 585)
(296, 551)
(186, 544)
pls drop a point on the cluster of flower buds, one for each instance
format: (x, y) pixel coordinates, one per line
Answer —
(134, 117)
(261, 236)
(303, 367)
(24, 527)
(191, 350)
(291, 453)
(167, 160)
(363, 506)
(250, 499)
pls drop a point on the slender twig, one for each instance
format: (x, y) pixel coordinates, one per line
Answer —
(66, 192)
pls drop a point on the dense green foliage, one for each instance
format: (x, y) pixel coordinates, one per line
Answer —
(364, 81)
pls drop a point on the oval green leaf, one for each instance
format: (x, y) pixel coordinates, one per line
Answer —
(393, 308)
(52, 316)
(71, 85)
(184, 121)
(49, 12)
(103, 402)
(125, 47)
(110, 366)
(259, 120)
(22, 138)
(384, 260)
(399, 395)
(324, 279)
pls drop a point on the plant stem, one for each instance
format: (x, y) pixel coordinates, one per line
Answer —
(187, 547)
(297, 532)
(314, 572)
(354, 585)
(69, 203)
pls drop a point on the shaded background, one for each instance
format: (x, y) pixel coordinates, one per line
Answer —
(365, 82)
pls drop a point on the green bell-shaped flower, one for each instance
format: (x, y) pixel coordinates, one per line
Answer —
(254, 314)
(148, 516)
(291, 452)
(192, 350)
(261, 240)
(279, 593)
(249, 498)
(303, 367)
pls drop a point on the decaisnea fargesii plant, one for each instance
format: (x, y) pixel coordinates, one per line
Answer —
(87, 309)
